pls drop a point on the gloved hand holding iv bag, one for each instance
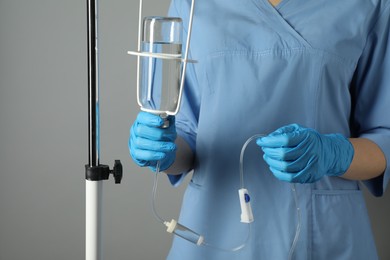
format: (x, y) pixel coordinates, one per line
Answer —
(149, 142)
(298, 154)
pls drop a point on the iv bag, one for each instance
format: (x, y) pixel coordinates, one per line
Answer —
(160, 74)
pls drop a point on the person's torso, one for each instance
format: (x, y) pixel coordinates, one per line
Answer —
(260, 68)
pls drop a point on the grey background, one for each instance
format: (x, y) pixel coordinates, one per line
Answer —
(43, 136)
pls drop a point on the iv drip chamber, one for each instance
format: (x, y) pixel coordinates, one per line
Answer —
(176, 228)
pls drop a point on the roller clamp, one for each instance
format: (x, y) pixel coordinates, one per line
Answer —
(246, 209)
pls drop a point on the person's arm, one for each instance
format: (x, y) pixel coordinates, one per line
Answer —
(184, 158)
(368, 161)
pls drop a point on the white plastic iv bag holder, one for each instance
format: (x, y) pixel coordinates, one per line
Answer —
(139, 53)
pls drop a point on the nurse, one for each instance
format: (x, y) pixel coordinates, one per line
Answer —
(314, 76)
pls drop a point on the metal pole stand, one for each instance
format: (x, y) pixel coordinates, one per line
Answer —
(95, 173)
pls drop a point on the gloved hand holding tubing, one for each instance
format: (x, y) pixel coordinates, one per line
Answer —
(302, 155)
(149, 142)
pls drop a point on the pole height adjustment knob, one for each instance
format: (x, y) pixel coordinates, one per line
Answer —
(102, 172)
(117, 171)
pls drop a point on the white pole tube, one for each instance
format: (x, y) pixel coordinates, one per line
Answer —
(93, 220)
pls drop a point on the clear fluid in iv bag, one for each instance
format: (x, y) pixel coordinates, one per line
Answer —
(160, 78)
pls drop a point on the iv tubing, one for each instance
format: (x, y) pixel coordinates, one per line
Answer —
(156, 215)
(298, 228)
(293, 189)
(203, 243)
(237, 248)
(242, 157)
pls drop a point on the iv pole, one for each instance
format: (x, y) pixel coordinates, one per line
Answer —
(95, 173)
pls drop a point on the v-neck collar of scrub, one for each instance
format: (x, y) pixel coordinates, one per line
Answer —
(275, 19)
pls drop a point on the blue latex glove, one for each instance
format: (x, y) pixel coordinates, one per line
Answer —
(150, 143)
(298, 154)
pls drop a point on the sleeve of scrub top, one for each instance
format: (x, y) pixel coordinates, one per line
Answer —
(371, 94)
(187, 118)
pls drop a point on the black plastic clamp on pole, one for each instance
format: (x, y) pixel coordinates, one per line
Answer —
(102, 172)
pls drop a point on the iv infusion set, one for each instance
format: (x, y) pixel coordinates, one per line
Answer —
(161, 73)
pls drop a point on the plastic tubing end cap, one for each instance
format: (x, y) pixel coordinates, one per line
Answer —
(171, 225)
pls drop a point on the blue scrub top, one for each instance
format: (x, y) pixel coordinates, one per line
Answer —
(324, 64)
